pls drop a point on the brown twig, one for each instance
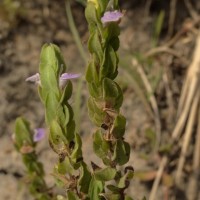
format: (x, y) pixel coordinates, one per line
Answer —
(172, 18)
(191, 10)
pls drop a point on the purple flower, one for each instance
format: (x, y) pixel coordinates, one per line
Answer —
(39, 134)
(34, 79)
(62, 80)
(111, 16)
(65, 77)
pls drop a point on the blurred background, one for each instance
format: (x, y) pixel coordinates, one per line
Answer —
(159, 72)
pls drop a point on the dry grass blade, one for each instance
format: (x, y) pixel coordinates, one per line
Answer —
(187, 137)
(193, 181)
(147, 7)
(159, 174)
(152, 100)
(191, 75)
(172, 17)
(169, 94)
(166, 49)
(191, 10)
(188, 92)
(183, 115)
(191, 85)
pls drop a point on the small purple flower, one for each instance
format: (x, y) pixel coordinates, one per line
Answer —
(65, 77)
(111, 16)
(39, 134)
(34, 79)
(62, 80)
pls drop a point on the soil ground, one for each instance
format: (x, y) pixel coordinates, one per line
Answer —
(26, 25)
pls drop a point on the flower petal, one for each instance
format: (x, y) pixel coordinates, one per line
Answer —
(34, 78)
(111, 16)
(39, 134)
(67, 76)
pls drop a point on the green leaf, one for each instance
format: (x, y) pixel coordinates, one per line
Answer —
(113, 30)
(90, 13)
(95, 90)
(32, 165)
(103, 5)
(23, 134)
(70, 130)
(67, 92)
(110, 32)
(113, 188)
(56, 133)
(76, 155)
(67, 116)
(109, 64)
(101, 147)
(85, 178)
(105, 174)
(65, 167)
(49, 78)
(36, 185)
(94, 45)
(44, 197)
(51, 66)
(110, 196)
(57, 139)
(112, 93)
(113, 5)
(96, 187)
(121, 152)
(91, 73)
(51, 104)
(96, 114)
(119, 126)
(110, 89)
(158, 27)
(124, 180)
(128, 198)
(114, 42)
(71, 195)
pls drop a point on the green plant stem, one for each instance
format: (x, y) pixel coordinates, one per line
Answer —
(79, 45)
(74, 31)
